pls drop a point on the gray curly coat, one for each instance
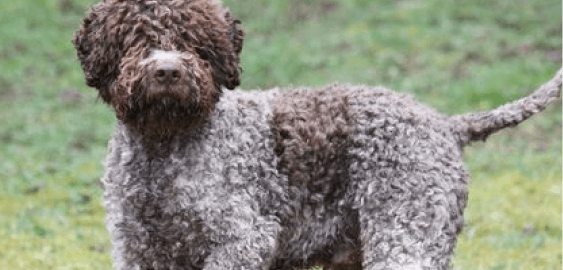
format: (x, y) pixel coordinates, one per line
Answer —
(349, 177)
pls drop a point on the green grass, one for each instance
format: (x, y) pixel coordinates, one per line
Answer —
(457, 56)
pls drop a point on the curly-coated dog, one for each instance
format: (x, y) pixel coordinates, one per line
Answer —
(349, 177)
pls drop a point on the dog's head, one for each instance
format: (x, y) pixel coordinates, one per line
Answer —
(161, 64)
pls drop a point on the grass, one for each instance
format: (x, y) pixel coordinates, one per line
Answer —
(457, 56)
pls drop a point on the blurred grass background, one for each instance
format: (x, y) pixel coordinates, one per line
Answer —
(457, 56)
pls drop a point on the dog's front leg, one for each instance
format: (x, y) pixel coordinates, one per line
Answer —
(242, 238)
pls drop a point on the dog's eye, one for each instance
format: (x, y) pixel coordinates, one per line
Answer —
(185, 35)
(203, 54)
(144, 8)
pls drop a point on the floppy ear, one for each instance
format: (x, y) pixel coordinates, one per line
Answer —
(98, 51)
(237, 34)
(224, 55)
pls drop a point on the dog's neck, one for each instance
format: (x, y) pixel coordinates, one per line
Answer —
(158, 144)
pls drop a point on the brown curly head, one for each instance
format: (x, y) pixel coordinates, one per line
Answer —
(160, 63)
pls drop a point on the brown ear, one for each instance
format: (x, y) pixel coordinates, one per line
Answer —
(237, 38)
(237, 33)
(224, 59)
(98, 51)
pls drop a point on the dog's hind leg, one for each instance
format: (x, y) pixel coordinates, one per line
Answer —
(410, 191)
(407, 221)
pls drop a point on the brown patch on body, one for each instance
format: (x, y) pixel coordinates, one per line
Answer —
(311, 129)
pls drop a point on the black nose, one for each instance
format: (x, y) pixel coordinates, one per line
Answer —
(168, 74)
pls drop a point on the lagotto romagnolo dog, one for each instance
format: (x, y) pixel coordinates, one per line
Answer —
(201, 177)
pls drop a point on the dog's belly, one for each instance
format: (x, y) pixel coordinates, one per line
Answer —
(316, 234)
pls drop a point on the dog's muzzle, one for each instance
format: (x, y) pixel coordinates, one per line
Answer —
(167, 71)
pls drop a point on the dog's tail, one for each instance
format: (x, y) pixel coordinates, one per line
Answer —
(478, 126)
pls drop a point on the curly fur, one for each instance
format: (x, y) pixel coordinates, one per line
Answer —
(348, 177)
(118, 35)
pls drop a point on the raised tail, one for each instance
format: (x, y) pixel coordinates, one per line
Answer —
(478, 126)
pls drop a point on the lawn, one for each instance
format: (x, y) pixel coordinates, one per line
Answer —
(457, 56)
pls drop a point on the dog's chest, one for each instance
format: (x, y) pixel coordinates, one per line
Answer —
(153, 212)
(170, 198)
